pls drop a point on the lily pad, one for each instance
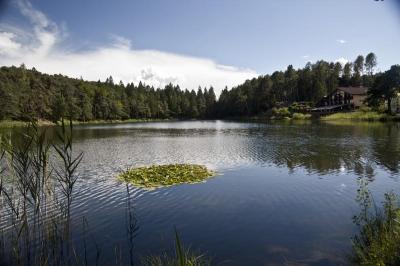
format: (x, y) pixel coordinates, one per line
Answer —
(155, 176)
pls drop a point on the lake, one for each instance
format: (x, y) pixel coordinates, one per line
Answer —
(284, 193)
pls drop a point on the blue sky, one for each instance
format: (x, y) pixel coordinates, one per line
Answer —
(207, 42)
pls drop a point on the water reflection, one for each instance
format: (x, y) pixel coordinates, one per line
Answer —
(285, 194)
(132, 225)
(318, 148)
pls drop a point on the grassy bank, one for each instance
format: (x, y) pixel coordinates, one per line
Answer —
(275, 114)
(364, 116)
(361, 116)
(14, 123)
(94, 122)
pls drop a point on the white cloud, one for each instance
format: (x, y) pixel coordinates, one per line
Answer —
(342, 61)
(41, 49)
(341, 41)
(305, 57)
(8, 45)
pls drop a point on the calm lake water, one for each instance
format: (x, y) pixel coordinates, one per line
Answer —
(285, 192)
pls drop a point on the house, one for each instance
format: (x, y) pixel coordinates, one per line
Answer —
(395, 104)
(343, 98)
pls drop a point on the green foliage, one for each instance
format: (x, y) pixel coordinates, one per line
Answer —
(30, 95)
(300, 107)
(378, 242)
(300, 116)
(281, 113)
(385, 87)
(283, 88)
(358, 70)
(370, 63)
(166, 175)
(296, 111)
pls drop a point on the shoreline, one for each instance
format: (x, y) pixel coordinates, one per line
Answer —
(356, 116)
(16, 123)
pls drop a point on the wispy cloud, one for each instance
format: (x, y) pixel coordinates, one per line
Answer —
(7, 44)
(305, 57)
(342, 61)
(341, 41)
(40, 47)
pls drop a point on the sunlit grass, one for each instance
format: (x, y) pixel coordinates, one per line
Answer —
(166, 175)
(361, 116)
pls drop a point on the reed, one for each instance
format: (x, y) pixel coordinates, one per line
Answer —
(182, 256)
(36, 196)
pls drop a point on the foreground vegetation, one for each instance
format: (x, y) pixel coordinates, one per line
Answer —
(378, 241)
(166, 175)
(36, 196)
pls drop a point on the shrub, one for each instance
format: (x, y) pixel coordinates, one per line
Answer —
(281, 113)
(300, 116)
(378, 242)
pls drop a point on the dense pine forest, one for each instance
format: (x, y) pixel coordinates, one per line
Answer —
(27, 93)
(308, 84)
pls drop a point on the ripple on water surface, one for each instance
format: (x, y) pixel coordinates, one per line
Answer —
(285, 192)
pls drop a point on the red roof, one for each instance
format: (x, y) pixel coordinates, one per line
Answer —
(354, 90)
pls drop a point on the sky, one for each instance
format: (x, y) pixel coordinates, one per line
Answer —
(193, 43)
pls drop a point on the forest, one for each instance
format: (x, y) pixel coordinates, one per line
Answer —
(27, 94)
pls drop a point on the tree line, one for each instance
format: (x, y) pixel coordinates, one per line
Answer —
(308, 84)
(27, 93)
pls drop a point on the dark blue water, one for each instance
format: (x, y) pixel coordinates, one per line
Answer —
(285, 192)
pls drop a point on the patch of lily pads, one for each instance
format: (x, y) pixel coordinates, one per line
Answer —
(156, 176)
